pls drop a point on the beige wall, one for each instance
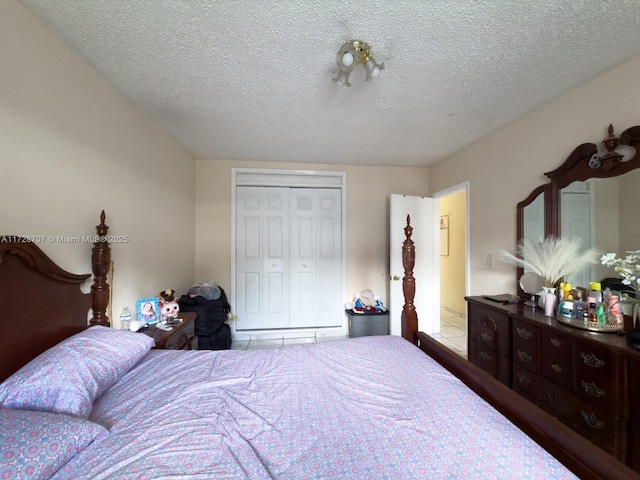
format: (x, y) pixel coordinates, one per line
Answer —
(367, 205)
(70, 146)
(504, 167)
(452, 266)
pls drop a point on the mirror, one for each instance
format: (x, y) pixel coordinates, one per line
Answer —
(602, 213)
(592, 196)
(532, 284)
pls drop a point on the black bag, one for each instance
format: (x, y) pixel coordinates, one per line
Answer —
(210, 327)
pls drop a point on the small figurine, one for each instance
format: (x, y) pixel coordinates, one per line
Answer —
(169, 307)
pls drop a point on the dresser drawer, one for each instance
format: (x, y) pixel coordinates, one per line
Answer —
(526, 381)
(488, 333)
(183, 340)
(490, 328)
(601, 427)
(525, 346)
(556, 400)
(556, 354)
(488, 360)
(595, 376)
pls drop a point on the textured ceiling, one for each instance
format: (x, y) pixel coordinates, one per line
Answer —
(252, 80)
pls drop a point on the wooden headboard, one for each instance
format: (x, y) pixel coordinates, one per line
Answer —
(40, 303)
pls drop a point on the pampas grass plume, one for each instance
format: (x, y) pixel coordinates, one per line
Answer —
(552, 259)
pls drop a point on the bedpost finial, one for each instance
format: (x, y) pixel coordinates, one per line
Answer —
(102, 228)
(408, 230)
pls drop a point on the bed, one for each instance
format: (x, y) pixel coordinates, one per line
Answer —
(99, 403)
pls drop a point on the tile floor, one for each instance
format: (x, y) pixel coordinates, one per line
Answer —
(280, 341)
(453, 334)
(453, 331)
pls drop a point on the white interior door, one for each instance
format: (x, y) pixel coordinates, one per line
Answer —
(288, 257)
(262, 257)
(316, 257)
(424, 213)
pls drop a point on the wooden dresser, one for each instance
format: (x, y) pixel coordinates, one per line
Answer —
(585, 379)
(182, 337)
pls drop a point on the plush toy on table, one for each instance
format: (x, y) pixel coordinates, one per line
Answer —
(364, 302)
(169, 308)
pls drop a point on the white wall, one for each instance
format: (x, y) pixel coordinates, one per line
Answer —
(503, 168)
(70, 146)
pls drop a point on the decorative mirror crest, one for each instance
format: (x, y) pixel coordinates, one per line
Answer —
(611, 152)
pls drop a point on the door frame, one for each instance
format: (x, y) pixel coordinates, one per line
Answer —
(465, 186)
(263, 177)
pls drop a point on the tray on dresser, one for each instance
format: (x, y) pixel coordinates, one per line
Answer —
(591, 326)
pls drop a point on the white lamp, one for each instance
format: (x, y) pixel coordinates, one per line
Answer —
(355, 53)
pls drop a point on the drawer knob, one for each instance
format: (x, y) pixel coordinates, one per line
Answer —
(592, 390)
(486, 337)
(524, 333)
(523, 379)
(556, 368)
(555, 342)
(591, 360)
(485, 356)
(592, 420)
(524, 356)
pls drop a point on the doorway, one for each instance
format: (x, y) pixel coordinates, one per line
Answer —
(454, 268)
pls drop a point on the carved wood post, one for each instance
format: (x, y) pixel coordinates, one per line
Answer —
(100, 260)
(409, 314)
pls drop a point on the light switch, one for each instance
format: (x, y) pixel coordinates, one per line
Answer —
(489, 260)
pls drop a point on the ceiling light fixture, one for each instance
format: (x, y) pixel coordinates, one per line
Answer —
(611, 153)
(355, 53)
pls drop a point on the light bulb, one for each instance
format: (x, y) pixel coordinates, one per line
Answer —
(376, 72)
(347, 59)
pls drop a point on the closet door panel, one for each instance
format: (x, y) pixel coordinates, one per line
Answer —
(329, 301)
(316, 258)
(262, 263)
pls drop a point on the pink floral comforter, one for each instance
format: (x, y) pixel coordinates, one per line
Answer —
(369, 407)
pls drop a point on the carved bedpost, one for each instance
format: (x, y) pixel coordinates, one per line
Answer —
(100, 260)
(409, 318)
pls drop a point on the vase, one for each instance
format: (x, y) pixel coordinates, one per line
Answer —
(550, 301)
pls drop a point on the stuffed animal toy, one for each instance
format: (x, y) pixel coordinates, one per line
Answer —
(365, 302)
(169, 307)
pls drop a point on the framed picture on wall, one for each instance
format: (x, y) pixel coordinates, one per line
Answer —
(444, 235)
(148, 309)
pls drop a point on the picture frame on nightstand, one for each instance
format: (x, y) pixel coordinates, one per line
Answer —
(148, 309)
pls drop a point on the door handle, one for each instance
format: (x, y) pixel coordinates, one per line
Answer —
(395, 277)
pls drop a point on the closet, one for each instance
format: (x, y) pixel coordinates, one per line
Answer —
(289, 256)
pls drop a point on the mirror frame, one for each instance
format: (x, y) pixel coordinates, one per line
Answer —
(542, 189)
(574, 168)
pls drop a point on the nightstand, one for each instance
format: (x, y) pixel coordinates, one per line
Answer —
(182, 337)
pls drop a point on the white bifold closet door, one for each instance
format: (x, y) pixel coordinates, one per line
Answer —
(289, 257)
